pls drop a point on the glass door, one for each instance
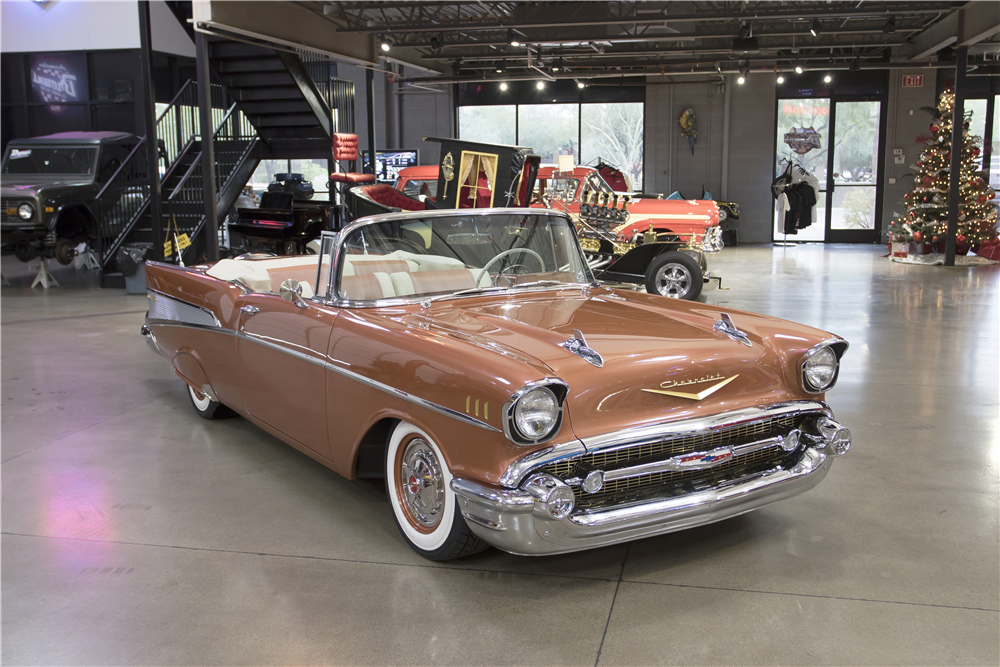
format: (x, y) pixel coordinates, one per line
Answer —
(854, 187)
(802, 143)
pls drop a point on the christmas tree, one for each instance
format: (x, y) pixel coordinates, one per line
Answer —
(926, 217)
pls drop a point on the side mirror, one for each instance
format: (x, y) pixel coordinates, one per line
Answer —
(291, 291)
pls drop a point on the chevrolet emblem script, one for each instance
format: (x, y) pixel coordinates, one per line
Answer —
(704, 393)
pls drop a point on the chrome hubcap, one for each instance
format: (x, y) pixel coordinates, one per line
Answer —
(422, 483)
(673, 280)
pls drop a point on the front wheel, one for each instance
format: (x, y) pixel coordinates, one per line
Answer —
(206, 407)
(675, 275)
(425, 508)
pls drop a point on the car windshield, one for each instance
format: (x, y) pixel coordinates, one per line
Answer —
(415, 187)
(73, 160)
(414, 256)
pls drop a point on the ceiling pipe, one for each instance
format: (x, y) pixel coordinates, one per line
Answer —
(901, 9)
(673, 37)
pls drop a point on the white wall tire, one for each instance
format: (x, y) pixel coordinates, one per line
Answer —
(424, 507)
(206, 407)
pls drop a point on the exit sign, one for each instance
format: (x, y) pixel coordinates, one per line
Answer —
(913, 81)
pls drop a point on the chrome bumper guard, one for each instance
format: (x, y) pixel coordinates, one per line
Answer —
(149, 337)
(521, 522)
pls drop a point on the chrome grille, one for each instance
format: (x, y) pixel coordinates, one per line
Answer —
(162, 307)
(676, 481)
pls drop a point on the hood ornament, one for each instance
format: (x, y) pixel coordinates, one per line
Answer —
(578, 346)
(726, 326)
(704, 393)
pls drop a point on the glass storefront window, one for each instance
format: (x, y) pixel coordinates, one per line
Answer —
(551, 129)
(995, 152)
(614, 132)
(488, 124)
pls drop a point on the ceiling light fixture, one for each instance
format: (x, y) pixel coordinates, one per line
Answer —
(511, 39)
(540, 85)
(815, 28)
(890, 25)
(827, 78)
(385, 43)
(741, 80)
(798, 68)
(745, 42)
(501, 67)
(855, 65)
(503, 85)
(781, 79)
(580, 84)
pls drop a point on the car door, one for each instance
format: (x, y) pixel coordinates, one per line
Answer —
(281, 354)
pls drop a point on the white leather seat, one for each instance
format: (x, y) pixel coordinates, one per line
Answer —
(249, 273)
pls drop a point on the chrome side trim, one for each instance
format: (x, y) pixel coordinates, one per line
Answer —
(316, 361)
(634, 436)
(183, 325)
(416, 400)
(375, 384)
(169, 308)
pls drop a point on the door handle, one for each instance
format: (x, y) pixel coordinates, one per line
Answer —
(249, 309)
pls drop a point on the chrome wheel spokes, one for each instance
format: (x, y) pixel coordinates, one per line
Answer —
(673, 280)
(422, 483)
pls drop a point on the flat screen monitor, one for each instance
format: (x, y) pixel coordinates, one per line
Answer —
(388, 163)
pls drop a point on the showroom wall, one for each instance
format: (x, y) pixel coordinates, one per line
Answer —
(671, 166)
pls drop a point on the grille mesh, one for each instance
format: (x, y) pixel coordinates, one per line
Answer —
(675, 481)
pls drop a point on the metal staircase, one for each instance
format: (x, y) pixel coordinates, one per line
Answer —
(272, 104)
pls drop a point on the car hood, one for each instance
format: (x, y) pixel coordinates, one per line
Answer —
(30, 186)
(645, 344)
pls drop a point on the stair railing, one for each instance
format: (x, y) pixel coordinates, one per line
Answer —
(122, 201)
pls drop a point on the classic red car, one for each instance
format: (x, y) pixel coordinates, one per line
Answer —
(470, 358)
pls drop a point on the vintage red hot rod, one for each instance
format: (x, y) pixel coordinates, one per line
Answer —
(470, 358)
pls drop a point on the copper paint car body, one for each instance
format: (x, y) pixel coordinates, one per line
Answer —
(328, 378)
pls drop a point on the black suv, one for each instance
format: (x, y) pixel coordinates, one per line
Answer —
(49, 188)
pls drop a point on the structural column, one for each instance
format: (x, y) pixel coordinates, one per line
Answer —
(207, 146)
(149, 120)
(370, 95)
(957, 142)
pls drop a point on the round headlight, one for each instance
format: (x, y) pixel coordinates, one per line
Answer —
(536, 413)
(25, 211)
(820, 369)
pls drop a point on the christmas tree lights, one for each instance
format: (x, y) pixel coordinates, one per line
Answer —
(926, 216)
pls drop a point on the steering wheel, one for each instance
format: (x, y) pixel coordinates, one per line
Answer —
(486, 268)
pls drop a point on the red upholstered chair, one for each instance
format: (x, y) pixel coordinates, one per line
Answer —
(345, 148)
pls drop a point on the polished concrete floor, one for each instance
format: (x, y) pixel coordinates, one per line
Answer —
(135, 533)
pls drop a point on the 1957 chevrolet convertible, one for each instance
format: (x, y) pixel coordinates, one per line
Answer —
(470, 358)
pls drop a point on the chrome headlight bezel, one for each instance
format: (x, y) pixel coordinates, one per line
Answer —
(836, 345)
(557, 387)
(26, 214)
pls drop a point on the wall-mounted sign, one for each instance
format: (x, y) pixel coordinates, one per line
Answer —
(58, 78)
(913, 81)
(802, 139)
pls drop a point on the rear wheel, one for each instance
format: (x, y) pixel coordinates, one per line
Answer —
(675, 275)
(206, 407)
(425, 508)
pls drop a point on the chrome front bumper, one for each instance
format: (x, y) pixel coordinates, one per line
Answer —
(513, 520)
(149, 337)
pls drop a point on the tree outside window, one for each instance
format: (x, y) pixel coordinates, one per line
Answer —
(613, 132)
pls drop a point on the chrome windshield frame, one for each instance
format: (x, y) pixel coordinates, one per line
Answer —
(332, 297)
